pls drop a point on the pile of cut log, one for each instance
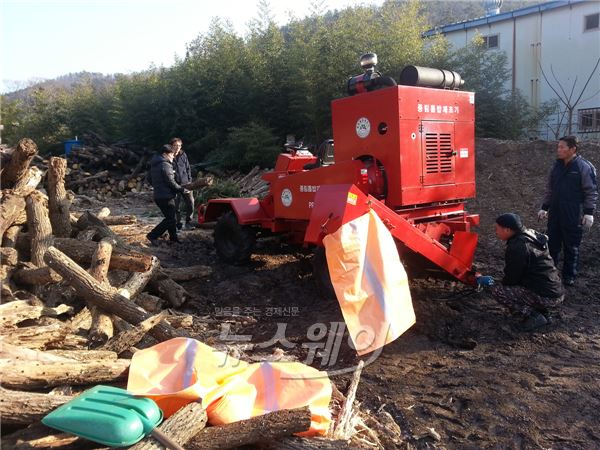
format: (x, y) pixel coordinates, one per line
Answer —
(102, 170)
(77, 301)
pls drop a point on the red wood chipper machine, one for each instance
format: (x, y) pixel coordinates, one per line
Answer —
(406, 151)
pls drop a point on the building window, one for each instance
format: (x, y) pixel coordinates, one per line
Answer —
(589, 120)
(490, 41)
(592, 22)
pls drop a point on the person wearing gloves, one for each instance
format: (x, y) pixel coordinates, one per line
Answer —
(183, 176)
(162, 177)
(531, 287)
(569, 204)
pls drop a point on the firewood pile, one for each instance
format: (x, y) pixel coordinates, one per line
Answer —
(102, 170)
(77, 301)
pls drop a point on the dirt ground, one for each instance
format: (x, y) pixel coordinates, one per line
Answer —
(463, 370)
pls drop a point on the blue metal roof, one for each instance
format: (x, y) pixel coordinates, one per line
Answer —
(474, 23)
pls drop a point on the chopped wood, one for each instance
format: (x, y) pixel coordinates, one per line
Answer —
(188, 273)
(106, 298)
(268, 426)
(18, 164)
(22, 408)
(121, 259)
(343, 426)
(84, 355)
(168, 289)
(101, 329)
(18, 311)
(138, 281)
(17, 352)
(8, 256)
(120, 220)
(103, 213)
(180, 321)
(42, 337)
(123, 341)
(35, 276)
(40, 229)
(10, 236)
(297, 443)
(87, 235)
(180, 427)
(12, 201)
(85, 180)
(38, 436)
(59, 201)
(30, 375)
(89, 220)
(149, 302)
(200, 182)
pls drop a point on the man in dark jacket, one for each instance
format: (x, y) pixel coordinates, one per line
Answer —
(569, 204)
(162, 177)
(531, 286)
(183, 176)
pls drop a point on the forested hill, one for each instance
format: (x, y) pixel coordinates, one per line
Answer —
(233, 99)
(437, 12)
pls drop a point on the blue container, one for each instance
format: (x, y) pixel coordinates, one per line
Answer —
(70, 144)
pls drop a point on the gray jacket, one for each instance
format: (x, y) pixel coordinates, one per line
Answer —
(162, 177)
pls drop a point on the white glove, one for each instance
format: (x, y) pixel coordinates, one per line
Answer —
(587, 222)
(542, 214)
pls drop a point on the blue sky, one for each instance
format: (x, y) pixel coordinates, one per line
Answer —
(47, 38)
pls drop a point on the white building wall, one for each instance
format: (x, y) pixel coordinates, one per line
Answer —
(553, 40)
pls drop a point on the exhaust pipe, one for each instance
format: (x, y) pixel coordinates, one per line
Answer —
(429, 77)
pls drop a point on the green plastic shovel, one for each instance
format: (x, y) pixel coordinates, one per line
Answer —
(110, 416)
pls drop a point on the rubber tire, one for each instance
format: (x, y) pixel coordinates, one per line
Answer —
(321, 274)
(234, 243)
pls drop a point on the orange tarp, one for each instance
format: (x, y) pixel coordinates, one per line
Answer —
(182, 370)
(370, 282)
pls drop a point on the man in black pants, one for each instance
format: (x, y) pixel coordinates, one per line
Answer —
(569, 204)
(531, 287)
(183, 176)
(162, 177)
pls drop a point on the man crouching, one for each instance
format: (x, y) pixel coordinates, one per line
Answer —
(531, 286)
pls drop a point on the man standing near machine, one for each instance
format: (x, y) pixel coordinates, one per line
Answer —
(569, 204)
(183, 176)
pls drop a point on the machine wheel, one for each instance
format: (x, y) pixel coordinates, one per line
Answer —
(234, 242)
(321, 274)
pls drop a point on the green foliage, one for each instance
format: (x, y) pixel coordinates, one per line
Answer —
(247, 146)
(221, 189)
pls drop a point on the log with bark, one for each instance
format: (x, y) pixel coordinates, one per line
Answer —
(12, 201)
(129, 338)
(43, 337)
(35, 276)
(15, 312)
(85, 180)
(180, 427)
(59, 201)
(23, 408)
(168, 289)
(187, 273)
(101, 329)
(106, 298)
(8, 256)
(121, 259)
(29, 375)
(268, 426)
(40, 229)
(19, 163)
